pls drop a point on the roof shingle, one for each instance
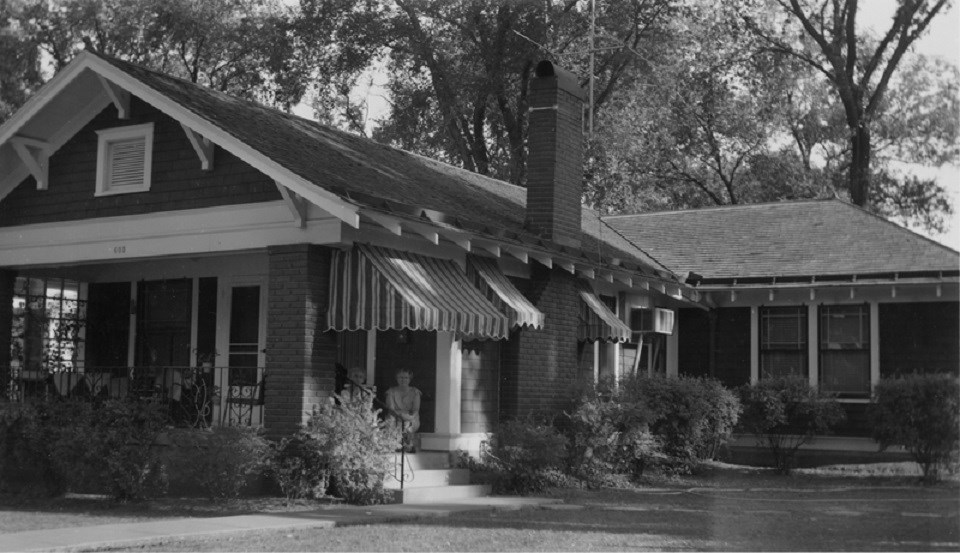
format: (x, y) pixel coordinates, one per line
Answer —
(806, 238)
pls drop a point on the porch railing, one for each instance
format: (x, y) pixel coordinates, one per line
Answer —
(194, 396)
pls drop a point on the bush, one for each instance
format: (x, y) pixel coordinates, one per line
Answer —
(609, 436)
(691, 417)
(219, 460)
(355, 445)
(922, 414)
(786, 413)
(527, 454)
(299, 467)
(120, 441)
(73, 445)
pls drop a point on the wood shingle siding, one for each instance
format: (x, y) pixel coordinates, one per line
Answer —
(177, 179)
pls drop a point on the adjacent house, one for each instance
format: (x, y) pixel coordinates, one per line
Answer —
(162, 239)
(820, 289)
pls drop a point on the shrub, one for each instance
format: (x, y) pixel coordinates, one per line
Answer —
(691, 417)
(786, 413)
(922, 414)
(121, 440)
(609, 436)
(299, 467)
(528, 455)
(220, 459)
(356, 446)
(73, 445)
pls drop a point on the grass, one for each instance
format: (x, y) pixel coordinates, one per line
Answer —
(725, 507)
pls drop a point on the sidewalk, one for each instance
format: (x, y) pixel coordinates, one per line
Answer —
(112, 535)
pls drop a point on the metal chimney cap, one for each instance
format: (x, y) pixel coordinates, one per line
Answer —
(565, 80)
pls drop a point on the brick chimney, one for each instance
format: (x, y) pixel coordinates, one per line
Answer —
(555, 156)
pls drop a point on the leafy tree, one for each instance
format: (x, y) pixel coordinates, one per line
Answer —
(824, 35)
(242, 47)
(19, 61)
(459, 70)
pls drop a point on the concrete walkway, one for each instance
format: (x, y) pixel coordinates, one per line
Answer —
(124, 535)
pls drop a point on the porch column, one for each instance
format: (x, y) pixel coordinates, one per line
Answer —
(874, 344)
(7, 279)
(813, 344)
(673, 354)
(300, 355)
(446, 435)
(449, 364)
(754, 345)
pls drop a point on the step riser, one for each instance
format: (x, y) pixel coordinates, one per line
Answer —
(442, 494)
(427, 478)
(431, 460)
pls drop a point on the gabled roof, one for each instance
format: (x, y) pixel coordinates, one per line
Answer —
(345, 173)
(818, 238)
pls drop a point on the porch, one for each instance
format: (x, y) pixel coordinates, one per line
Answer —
(195, 397)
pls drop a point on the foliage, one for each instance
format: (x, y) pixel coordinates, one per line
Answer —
(528, 455)
(691, 417)
(824, 35)
(610, 436)
(243, 47)
(786, 413)
(70, 445)
(220, 459)
(920, 412)
(355, 445)
(299, 468)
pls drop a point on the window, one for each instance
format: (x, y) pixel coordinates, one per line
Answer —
(124, 156)
(783, 341)
(845, 349)
(49, 317)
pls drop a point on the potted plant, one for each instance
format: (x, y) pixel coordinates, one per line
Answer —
(206, 359)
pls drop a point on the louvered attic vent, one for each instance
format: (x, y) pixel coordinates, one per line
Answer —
(124, 156)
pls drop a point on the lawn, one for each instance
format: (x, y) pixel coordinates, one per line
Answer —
(726, 508)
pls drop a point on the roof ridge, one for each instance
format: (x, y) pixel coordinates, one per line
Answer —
(728, 207)
(899, 227)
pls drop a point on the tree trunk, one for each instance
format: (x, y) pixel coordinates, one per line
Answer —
(859, 185)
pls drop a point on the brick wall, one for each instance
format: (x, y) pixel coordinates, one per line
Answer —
(300, 355)
(555, 158)
(177, 182)
(539, 367)
(7, 279)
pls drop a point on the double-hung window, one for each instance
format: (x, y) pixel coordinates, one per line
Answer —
(783, 342)
(845, 349)
(124, 157)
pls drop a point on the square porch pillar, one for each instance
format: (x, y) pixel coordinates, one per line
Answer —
(446, 435)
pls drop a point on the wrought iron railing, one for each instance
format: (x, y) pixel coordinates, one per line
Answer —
(194, 396)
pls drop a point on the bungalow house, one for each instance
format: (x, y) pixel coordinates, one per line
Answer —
(162, 239)
(820, 289)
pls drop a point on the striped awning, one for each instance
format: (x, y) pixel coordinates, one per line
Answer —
(597, 322)
(373, 288)
(497, 288)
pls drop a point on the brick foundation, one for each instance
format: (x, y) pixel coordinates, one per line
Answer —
(539, 367)
(300, 355)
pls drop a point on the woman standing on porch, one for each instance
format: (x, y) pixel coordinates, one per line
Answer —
(404, 401)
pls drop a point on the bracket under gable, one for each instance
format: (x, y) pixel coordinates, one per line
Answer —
(202, 145)
(35, 155)
(119, 97)
(296, 204)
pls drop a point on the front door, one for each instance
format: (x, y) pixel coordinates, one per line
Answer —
(244, 338)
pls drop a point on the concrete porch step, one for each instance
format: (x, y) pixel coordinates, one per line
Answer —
(441, 494)
(429, 478)
(425, 460)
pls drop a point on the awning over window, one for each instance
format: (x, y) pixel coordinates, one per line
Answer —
(378, 288)
(497, 288)
(597, 322)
